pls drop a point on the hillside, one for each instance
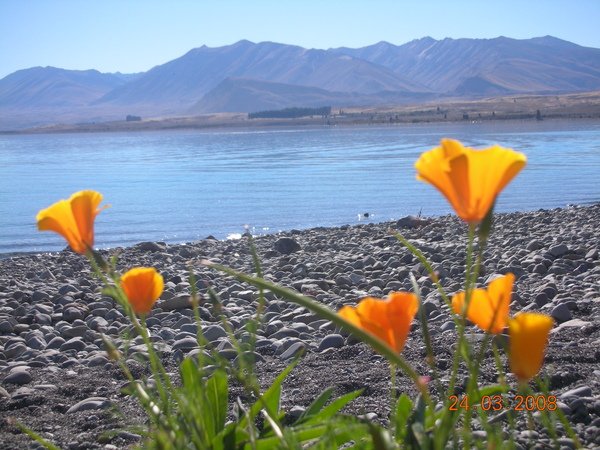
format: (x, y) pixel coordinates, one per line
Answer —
(53, 87)
(185, 80)
(544, 64)
(246, 95)
(247, 76)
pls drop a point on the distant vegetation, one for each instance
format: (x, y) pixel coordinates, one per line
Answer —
(290, 113)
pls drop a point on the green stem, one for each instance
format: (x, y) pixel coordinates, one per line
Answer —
(427, 337)
(473, 364)
(462, 323)
(561, 417)
(423, 260)
(393, 397)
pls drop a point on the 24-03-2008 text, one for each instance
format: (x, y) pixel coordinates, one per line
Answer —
(499, 403)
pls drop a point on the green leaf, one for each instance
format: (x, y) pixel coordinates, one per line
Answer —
(33, 435)
(403, 411)
(493, 389)
(334, 407)
(316, 405)
(217, 397)
(335, 433)
(419, 436)
(270, 399)
(381, 438)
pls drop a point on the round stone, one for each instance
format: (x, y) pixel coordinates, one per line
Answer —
(73, 344)
(293, 350)
(214, 332)
(18, 376)
(561, 313)
(331, 341)
(89, 404)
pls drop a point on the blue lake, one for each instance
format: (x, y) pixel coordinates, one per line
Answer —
(180, 186)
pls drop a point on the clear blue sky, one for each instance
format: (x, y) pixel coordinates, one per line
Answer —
(135, 35)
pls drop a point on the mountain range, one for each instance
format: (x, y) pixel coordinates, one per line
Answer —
(247, 77)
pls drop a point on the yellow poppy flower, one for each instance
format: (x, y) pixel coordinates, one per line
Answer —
(389, 320)
(142, 286)
(489, 308)
(528, 339)
(73, 219)
(469, 179)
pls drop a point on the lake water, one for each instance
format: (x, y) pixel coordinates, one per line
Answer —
(180, 186)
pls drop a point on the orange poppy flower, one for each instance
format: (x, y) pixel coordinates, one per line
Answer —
(528, 339)
(469, 179)
(73, 219)
(142, 286)
(389, 320)
(489, 308)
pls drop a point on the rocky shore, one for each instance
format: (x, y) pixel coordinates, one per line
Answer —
(55, 376)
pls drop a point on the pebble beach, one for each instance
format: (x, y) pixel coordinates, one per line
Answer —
(56, 378)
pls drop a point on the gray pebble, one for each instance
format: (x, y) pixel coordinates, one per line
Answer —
(185, 344)
(331, 341)
(6, 326)
(293, 350)
(73, 344)
(561, 313)
(4, 393)
(582, 391)
(55, 343)
(284, 333)
(176, 303)
(286, 245)
(98, 360)
(43, 319)
(18, 376)
(71, 314)
(541, 299)
(14, 350)
(558, 250)
(150, 247)
(89, 404)
(430, 307)
(328, 326)
(447, 326)
(228, 353)
(189, 328)
(296, 411)
(98, 324)
(214, 332)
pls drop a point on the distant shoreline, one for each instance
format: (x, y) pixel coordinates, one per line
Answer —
(579, 106)
(390, 222)
(187, 124)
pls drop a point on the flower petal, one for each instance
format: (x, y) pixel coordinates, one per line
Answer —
(84, 205)
(528, 340)
(142, 286)
(488, 308)
(469, 179)
(389, 320)
(59, 218)
(73, 219)
(401, 312)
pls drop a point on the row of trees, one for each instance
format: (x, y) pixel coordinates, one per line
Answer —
(291, 113)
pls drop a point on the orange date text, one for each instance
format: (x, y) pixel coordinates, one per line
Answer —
(499, 403)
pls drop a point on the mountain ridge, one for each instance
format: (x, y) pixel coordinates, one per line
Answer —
(276, 74)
